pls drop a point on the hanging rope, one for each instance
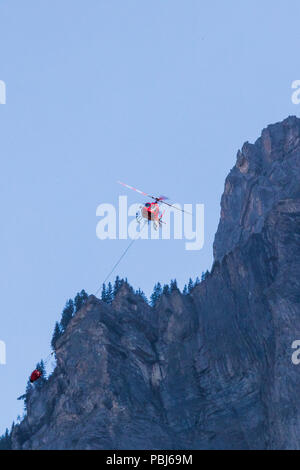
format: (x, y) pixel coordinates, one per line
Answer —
(108, 276)
(121, 257)
(48, 357)
(23, 397)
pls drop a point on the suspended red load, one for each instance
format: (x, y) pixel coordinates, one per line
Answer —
(36, 374)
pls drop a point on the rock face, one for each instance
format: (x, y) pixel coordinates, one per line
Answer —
(208, 370)
(265, 173)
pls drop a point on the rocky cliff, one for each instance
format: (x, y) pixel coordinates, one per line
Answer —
(208, 370)
(265, 172)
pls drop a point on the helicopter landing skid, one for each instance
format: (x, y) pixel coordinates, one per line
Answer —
(138, 217)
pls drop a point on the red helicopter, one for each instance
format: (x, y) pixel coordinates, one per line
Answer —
(151, 210)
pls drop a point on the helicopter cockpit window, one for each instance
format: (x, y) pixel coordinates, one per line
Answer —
(147, 204)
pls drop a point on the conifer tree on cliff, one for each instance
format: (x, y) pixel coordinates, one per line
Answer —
(142, 295)
(117, 285)
(79, 300)
(157, 291)
(83, 295)
(190, 285)
(56, 335)
(109, 293)
(166, 289)
(5, 441)
(173, 285)
(67, 314)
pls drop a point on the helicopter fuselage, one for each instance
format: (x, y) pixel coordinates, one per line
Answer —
(150, 211)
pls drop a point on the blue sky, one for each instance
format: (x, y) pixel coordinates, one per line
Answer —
(158, 94)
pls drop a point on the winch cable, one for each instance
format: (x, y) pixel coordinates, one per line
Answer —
(45, 361)
(121, 257)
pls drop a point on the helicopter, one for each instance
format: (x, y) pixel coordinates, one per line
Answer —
(151, 210)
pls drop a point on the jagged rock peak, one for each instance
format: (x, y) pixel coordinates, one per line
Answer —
(265, 172)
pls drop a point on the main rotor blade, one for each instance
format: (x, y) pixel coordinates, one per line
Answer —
(171, 205)
(157, 199)
(135, 189)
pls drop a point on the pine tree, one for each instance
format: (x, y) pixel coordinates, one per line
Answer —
(185, 290)
(43, 379)
(142, 295)
(116, 285)
(67, 314)
(109, 293)
(84, 295)
(173, 285)
(158, 289)
(190, 285)
(129, 287)
(166, 289)
(202, 276)
(28, 387)
(155, 296)
(78, 302)
(56, 335)
(41, 367)
(27, 394)
(103, 293)
(197, 281)
(5, 441)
